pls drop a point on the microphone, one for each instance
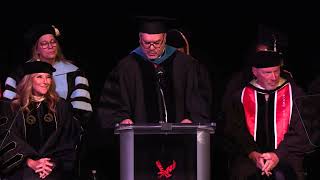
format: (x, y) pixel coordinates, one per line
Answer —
(160, 76)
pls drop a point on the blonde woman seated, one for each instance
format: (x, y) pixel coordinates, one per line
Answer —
(39, 139)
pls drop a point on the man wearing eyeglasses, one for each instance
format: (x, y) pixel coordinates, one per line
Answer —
(155, 83)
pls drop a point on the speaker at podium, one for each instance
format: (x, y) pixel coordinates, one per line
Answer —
(165, 151)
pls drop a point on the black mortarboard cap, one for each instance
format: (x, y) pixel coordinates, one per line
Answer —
(36, 31)
(154, 24)
(264, 59)
(31, 67)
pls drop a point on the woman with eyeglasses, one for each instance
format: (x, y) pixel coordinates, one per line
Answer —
(71, 82)
(39, 136)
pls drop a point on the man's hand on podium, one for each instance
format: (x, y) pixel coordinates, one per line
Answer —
(126, 121)
(186, 121)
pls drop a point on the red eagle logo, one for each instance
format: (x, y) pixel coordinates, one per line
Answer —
(165, 172)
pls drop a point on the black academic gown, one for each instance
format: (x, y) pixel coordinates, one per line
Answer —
(131, 91)
(46, 134)
(290, 151)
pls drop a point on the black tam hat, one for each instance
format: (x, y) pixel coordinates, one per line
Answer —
(154, 24)
(37, 67)
(36, 31)
(264, 59)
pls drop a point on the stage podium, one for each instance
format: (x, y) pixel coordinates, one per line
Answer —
(191, 151)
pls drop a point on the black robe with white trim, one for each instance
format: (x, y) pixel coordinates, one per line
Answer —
(71, 85)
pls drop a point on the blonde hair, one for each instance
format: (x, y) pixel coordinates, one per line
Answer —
(24, 94)
(59, 56)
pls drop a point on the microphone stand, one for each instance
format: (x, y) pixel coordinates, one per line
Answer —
(164, 106)
(162, 99)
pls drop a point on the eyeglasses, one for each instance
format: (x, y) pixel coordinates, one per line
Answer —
(45, 44)
(155, 44)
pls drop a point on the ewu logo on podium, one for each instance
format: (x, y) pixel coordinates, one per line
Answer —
(166, 173)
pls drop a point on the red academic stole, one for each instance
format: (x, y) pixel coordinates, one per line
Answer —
(282, 111)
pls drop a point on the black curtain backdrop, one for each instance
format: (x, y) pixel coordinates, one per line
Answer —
(97, 35)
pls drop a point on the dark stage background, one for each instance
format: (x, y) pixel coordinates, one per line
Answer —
(97, 35)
